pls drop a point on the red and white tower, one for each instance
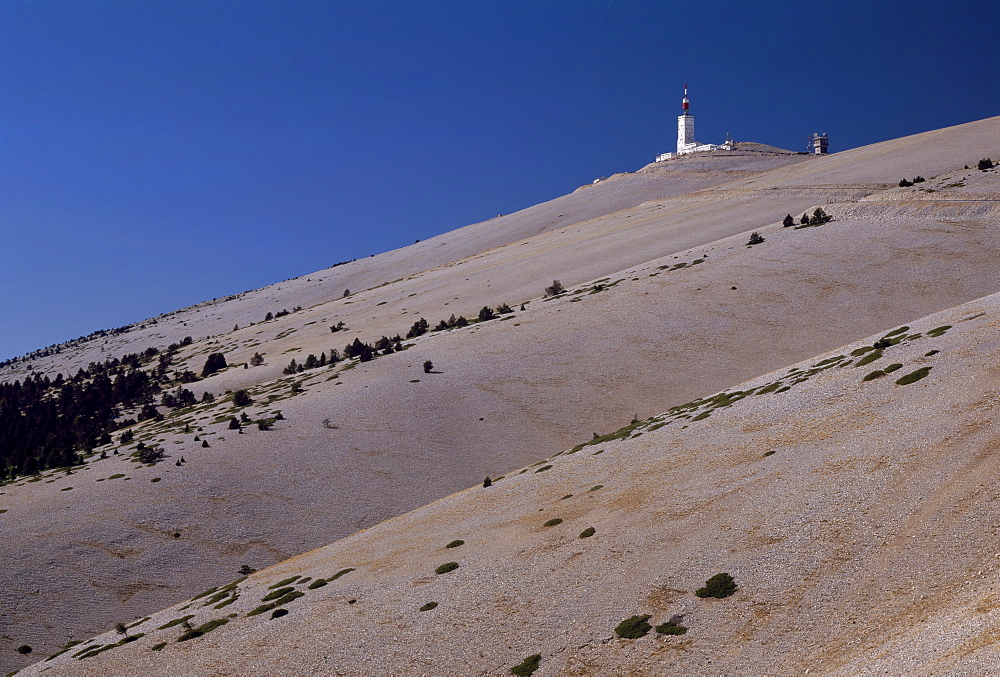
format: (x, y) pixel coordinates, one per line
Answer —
(685, 125)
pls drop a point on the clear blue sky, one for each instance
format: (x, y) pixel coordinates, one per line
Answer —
(154, 154)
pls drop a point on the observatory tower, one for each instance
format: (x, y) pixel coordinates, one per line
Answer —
(685, 124)
(685, 133)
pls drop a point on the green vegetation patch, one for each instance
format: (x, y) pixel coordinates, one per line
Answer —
(671, 628)
(878, 373)
(275, 594)
(892, 367)
(318, 583)
(588, 532)
(445, 568)
(634, 627)
(553, 522)
(204, 594)
(454, 544)
(596, 487)
(429, 606)
(528, 666)
(718, 586)
(176, 621)
(281, 584)
(913, 376)
(937, 332)
(281, 601)
(69, 645)
(202, 629)
(544, 468)
(869, 358)
(342, 572)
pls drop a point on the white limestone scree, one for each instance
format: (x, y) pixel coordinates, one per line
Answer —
(685, 134)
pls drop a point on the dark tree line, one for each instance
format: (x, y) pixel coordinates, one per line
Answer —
(48, 423)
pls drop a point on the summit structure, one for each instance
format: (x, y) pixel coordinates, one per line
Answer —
(685, 134)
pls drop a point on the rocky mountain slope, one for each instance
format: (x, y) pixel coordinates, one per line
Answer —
(849, 497)
(666, 304)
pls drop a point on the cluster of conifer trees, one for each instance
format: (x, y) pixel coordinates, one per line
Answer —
(48, 423)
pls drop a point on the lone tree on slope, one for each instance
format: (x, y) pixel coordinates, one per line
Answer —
(214, 363)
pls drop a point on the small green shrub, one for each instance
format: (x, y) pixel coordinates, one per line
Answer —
(596, 487)
(937, 332)
(719, 586)
(869, 358)
(158, 647)
(318, 583)
(671, 628)
(913, 376)
(555, 288)
(282, 584)
(526, 667)
(428, 606)
(634, 627)
(454, 544)
(340, 573)
(544, 468)
(588, 532)
(24, 649)
(878, 373)
(892, 367)
(553, 522)
(755, 238)
(278, 613)
(445, 568)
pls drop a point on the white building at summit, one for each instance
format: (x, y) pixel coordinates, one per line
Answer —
(685, 134)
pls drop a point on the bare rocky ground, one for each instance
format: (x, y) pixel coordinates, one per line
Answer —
(364, 444)
(857, 518)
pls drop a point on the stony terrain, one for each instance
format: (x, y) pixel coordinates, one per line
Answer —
(636, 334)
(857, 516)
